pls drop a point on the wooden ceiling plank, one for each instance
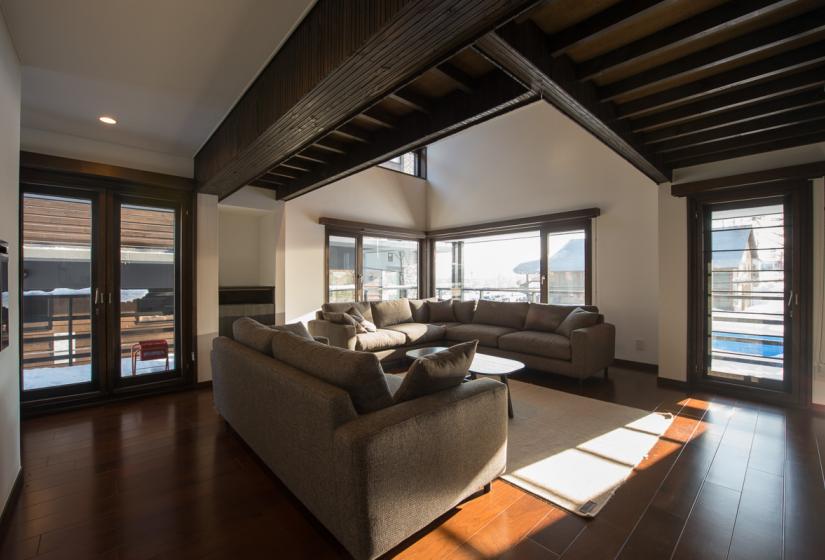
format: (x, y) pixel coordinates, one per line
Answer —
(379, 117)
(329, 144)
(767, 69)
(619, 13)
(307, 156)
(287, 165)
(762, 124)
(280, 174)
(779, 105)
(412, 100)
(745, 140)
(496, 93)
(694, 29)
(521, 50)
(326, 73)
(785, 35)
(731, 100)
(458, 77)
(352, 132)
(769, 146)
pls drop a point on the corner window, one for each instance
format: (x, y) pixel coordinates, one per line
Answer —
(412, 163)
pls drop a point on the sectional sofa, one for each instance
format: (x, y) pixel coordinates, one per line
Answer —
(544, 337)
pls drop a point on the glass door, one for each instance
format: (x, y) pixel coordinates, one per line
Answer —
(343, 279)
(747, 287)
(146, 299)
(61, 295)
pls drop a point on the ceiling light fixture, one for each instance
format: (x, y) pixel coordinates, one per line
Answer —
(107, 120)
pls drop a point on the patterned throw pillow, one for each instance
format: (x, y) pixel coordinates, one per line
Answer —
(362, 324)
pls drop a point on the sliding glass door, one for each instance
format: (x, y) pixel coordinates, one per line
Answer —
(103, 291)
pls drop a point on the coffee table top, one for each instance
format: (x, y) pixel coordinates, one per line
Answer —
(483, 364)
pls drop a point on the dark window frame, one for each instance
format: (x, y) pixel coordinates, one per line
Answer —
(420, 159)
(797, 196)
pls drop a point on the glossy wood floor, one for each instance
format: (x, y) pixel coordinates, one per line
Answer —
(165, 478)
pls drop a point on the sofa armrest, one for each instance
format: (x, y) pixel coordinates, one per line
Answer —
(321, 339)
(342, 336)
(593, 348)
(444, 446)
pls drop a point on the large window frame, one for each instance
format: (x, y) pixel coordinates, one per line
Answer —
(577, 220)
(358, 231)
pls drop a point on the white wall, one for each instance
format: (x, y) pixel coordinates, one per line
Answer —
(76, 147)
(206, 267)
(673, 241)
(376, 196)
(239, 247)
(534, 161)
(9, 207)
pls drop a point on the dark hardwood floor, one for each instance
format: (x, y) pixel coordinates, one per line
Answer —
(164, 477)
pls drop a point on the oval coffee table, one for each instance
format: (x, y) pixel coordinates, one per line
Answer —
(483, 364)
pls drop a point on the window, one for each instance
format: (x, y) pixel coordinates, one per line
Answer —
(496, 267)
(411, 163)
(371, 267)
(549, 264)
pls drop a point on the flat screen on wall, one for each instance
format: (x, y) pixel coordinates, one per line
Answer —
(4, 295)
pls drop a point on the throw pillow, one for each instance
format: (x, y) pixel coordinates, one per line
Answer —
(357, 373)
(363, 324)
(295, 328)
(253, 334)
(441, 311)
(392, 312)
(545, 317)
(578, 319)
(420, 311)
(437, 372)
(340, 318)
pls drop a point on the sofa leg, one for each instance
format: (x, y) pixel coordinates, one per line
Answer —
(487, 488)
(581, 383)
(605, 373)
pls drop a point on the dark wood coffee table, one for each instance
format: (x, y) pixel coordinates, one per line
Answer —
(483, 364)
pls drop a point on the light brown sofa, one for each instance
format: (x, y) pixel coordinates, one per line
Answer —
(373, 479)
(527, 332)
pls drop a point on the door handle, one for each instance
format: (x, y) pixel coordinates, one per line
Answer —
(97, 296)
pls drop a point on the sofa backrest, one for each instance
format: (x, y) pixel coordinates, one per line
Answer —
(501, 313)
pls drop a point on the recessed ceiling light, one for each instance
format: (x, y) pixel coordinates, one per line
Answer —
(107, 120)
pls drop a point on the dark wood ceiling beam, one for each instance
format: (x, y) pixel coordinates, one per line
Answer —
(329, 144)
(620, 13)
(307, 155)
(762, 124)
(767, 69)
(804, 171)
(264, 183)
(281, 175)
(521, 50)
(784, 36)
(696, 28)
(749, 150)
(802, 81)
(342, 58)
(678, 158)
(378, 117)
(294, 167)
(457, 76)
(496, 93)
(413, 100)
(352, 132)
(779, 105)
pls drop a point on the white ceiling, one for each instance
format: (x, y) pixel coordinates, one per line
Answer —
(168, 70)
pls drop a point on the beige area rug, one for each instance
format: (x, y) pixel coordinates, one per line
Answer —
(576, 451)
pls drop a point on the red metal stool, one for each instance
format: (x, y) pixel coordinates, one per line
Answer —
(149, 350)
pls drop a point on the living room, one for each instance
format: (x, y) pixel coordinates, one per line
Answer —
(531, 267)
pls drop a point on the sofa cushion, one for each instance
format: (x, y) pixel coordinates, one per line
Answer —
(501, 313)
(342, 318)
(548, 345)
(392, 312)
(577, 319)
(420, 310)
(381, 339)
(546, 317)
(358, 373)
(253, 334)
(417, 333)
(437, 372)
(464, 310)
(362, 306)
(441, 311)
(295, 328)
(487, 335)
